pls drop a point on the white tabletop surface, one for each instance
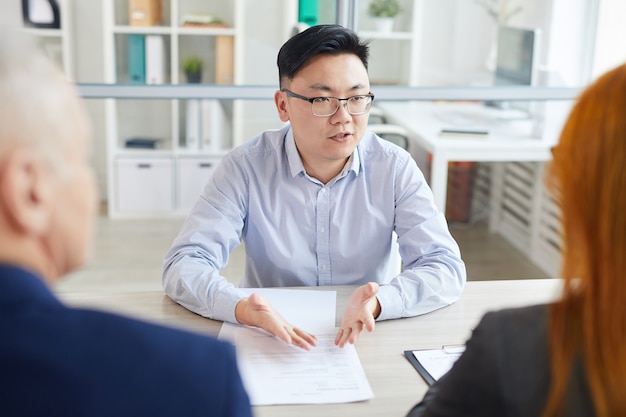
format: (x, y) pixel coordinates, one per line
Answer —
(396, 385)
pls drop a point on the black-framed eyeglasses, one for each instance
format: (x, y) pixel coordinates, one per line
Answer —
(327, 106)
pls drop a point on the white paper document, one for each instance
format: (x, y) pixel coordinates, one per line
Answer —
(438, 362)
(276, 373)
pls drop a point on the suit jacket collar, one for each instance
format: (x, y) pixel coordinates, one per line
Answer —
(21, 289)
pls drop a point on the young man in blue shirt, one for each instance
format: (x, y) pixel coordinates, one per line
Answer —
(316, 203)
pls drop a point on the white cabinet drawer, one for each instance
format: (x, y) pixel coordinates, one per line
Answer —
(193, 174)
(144, 184)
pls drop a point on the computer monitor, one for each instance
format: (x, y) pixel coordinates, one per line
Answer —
(516, 56)
(516, 59)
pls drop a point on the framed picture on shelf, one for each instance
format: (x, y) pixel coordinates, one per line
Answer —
(41, 14)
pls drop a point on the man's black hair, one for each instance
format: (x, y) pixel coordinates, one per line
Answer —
(318, 40)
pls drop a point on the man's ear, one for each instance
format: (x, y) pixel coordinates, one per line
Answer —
(26, 190)
(281, 106)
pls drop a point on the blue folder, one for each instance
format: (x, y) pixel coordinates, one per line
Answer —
(137, 59)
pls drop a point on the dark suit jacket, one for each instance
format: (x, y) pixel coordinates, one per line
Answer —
(505, 371)
(60, 361)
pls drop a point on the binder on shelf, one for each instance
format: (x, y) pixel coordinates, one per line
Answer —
(215, 127)
(192, 124)
(432, 364)
(155, 59)
(308, 12)
(136, 59)
(142, 143)
(224, 60)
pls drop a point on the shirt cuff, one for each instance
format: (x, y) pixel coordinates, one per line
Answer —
(390, 303)
(225, 303)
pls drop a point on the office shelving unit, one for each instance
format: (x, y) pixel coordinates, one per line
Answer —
(165, 180)
(394, 56)
(56, 43)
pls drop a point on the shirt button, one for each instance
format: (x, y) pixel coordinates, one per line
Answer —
(322, 229)
(323, 190)
(323, 267)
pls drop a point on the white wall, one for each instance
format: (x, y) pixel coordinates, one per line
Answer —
(457, 37)
(610, 48)
(89, 68)
(261, 47)
(11, 14)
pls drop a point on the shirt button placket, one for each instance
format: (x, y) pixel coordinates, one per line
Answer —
(323, 237)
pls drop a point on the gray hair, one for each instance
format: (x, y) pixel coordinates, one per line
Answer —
(38, 106)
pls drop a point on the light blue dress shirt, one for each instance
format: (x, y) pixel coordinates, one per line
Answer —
(300, 232)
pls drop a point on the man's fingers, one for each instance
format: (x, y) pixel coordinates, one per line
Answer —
(338, 337)
(284, 336)
(302, 339)
(369, 324)
(349, 334)
(259, 312)
(342, 337)
(308, 337)
(357, 329)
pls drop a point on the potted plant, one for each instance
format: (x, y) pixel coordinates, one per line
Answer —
(192, 66)
(383, 12)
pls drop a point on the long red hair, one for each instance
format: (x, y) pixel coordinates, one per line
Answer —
(588, 177)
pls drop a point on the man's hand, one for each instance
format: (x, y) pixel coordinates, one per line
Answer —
(363, 308)
(257, 311)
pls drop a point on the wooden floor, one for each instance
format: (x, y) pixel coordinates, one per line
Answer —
(128, 256)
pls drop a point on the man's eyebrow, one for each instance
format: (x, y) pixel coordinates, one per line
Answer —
(320, 87)
(325, 88)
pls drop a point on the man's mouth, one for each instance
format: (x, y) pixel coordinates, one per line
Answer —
(341, 136)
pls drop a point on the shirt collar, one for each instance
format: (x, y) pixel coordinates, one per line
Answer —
(293, 157)
(295, 162)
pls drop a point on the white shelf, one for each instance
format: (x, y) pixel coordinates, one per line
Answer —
(192, 152)
(52, 33)
(181, 30)
(142, 30)
(142, 152)
(176, 30)
(394, 55)
(56, 43)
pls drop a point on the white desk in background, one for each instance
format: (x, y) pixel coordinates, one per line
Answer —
(396, 384)
(510, 138)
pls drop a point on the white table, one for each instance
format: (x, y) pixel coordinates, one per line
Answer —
(508, 139)
(396, 385)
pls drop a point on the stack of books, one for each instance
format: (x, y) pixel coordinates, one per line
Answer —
(202, 20)
(142, 143)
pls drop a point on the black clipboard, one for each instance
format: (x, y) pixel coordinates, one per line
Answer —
(454, 350)
(418, 366)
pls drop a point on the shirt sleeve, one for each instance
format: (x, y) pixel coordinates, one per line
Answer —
(191, 271)
(434, 274)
